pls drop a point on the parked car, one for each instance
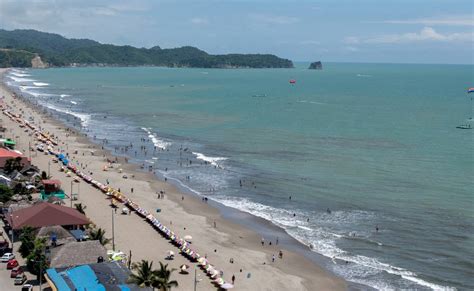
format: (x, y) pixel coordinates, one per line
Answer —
(12, 264)
(4, 250)
(16, 272)
(20, 279)
(6, 257)
(27, 287)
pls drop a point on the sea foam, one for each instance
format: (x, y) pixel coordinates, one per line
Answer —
(40, 84)
(20, 74)
(155, 140)
(211, 160)
(324, 241)
(85, 118)
(18, 79)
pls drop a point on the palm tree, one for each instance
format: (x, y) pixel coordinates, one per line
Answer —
(163, 278)
(144, 276)
(81, 208)
(99, 234)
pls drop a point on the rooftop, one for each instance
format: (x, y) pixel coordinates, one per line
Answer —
(5, 153)
(77, 253)
(99, 276)
(46, 214)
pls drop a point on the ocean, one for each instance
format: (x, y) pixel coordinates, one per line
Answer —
(357, 147)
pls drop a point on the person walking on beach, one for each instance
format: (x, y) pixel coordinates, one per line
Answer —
(233, 279)
(131, 190)
(273, 258)
(280, 254)
(263, 241)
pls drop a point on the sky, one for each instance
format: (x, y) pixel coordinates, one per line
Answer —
(382, 31)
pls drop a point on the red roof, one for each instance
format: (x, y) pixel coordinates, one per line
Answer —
(46, 214)
(4, 153)
(51, 182)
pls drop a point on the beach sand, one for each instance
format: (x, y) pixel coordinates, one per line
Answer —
(190, 216)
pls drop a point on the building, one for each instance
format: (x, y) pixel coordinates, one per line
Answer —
(6, 154)
(98, 276)
(46, 214)
(52, 188)
(77, 253)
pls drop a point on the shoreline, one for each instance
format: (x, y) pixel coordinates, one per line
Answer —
(229, 222)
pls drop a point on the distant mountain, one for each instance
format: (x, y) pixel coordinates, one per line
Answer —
(56, 50)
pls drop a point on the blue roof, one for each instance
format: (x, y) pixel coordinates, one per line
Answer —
(77, 234)
(84, 278)
(97, 277)
(59, 282)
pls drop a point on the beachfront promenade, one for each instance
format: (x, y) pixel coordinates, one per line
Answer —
(148, 234)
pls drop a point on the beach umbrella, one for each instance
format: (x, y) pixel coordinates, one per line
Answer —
(170, 253)
(188, 238)
(184, 267)
(227, 286)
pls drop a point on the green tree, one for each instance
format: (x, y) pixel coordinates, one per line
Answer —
(36, 261)
(80, 207)
(99, 234)
(27, 239)
(5, 193)
(12, 165)
(143, 274)
(163, 275)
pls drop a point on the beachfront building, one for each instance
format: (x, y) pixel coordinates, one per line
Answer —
(46, 214)
(52, 188)
(75, 253)
(98, 276)
(7, 154)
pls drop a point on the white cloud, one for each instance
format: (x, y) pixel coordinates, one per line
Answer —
(351, 40)
(199, 20)
(426, 34)
(351, 48)
(274, 19)
(459, 20)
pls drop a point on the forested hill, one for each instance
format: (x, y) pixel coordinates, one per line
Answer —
(56, 50)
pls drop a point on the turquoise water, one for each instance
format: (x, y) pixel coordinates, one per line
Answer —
(374, 143)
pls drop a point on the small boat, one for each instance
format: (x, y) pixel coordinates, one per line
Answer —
(292, 81)
(467, 125)
(464, 126)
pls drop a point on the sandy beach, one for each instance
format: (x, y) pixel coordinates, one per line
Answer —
(212, 235)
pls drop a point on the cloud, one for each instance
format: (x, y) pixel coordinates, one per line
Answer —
(274, 19)
(351, 48)
(459, 20)
(351, 40)
(199, 20)
(425, 34)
